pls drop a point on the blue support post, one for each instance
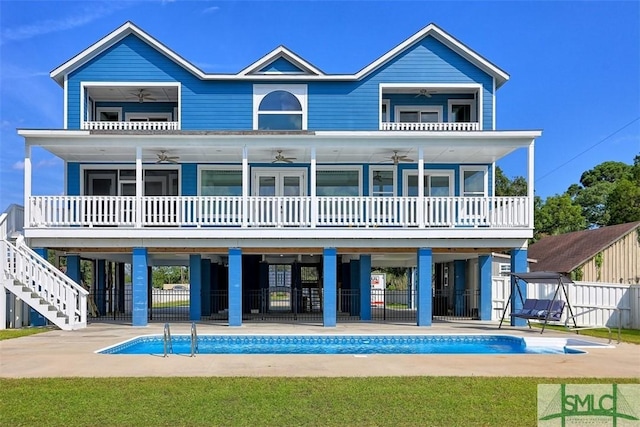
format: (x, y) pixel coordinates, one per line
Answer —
(35, 318)
(459, 284)
(101, 286)
(235, 287)
(206, 287)
(484, 275)
(140, 280)
(518, 265)
(73, 268)
(195, 287)
(329, 286)
(365, 287)
(424, 287)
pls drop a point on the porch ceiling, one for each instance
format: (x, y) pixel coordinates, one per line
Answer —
(331, 147)
(130, 93)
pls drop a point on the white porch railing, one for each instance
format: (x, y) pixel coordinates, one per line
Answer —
(265, 211)
(440, 126)
(130, 125)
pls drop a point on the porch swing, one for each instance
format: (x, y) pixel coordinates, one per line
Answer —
(544, 310)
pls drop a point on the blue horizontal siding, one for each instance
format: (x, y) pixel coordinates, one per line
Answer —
(344, 105)
(137, 107)
(228, 105)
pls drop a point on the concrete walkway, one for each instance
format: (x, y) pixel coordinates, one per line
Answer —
(71, 354)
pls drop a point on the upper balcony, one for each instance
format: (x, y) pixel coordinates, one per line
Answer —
(432, 107)
(130, 107)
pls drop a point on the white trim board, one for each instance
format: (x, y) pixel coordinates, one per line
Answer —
(130, 28)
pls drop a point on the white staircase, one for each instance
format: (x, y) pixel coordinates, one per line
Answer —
(39, 284)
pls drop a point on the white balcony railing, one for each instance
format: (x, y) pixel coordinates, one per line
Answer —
(130, 125)
(470, 126)
(256, 212)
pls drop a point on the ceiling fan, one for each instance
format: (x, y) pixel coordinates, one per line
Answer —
(142, 96)
(397, 158)
(425, 92)
(280, 158)
(163, 157)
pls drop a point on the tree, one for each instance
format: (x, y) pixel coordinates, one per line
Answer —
(507, 187)
(606, 172)
(594, 189)
(624, 202)
(557, 215)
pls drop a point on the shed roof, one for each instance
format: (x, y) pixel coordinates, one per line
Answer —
(566, 252)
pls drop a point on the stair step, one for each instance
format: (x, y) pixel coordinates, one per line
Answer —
(52, 308)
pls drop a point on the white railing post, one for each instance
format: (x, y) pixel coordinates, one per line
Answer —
(139, 187)
(245, 187)
(314, 198)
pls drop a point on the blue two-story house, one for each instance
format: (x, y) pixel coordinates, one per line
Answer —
(280, 186)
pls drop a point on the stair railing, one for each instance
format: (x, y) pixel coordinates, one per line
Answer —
(35, 272)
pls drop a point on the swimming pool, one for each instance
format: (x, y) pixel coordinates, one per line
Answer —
(345, 344)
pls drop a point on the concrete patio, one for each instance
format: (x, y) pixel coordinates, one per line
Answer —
(72, 354)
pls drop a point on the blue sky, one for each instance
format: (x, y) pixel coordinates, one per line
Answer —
(574, 66)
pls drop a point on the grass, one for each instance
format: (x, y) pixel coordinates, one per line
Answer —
(170, 304)
(6, 334)
(626, 335)
(401, 401)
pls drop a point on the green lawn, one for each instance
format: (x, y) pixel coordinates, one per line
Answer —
(626, 335)
(6, 334)
(169, 304)
(401, 401)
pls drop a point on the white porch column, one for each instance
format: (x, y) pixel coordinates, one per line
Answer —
(245, 186)
(420, 188)
(139, 187)
(312, 184)
(27, 186)
(530, 192)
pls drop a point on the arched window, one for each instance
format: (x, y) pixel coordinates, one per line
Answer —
(280, 109)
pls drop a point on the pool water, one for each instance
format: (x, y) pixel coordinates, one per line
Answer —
(341, 344)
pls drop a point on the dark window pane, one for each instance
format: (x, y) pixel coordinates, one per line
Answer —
(280, 100)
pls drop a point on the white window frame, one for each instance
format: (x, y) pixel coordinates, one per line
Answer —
(504, 268)
(383, 168)
(123, 166)
(278, 172)
(485, 172)
(342, 168)
(387, 116)
(471, 102)
(297, 90)
(417, 108)
(117, 110)
(129, 116)
(202, 168)
(427, 172)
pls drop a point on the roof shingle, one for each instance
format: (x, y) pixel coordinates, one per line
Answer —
(565, 252)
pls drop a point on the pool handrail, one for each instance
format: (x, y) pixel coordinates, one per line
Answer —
(194, 339)
(589, 310)
(168, 344)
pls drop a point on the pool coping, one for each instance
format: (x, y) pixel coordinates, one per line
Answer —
(577, 345)
(71, 354)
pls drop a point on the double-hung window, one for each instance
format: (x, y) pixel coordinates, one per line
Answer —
(418, 114)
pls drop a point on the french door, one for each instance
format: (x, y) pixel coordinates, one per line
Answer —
(280, 203)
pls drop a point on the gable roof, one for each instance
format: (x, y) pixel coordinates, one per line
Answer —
(253, 71)
(566, 252)
(281, 52)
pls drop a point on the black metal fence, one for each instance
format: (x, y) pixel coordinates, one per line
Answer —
(285, 305)
(456, 305)
(393, 305)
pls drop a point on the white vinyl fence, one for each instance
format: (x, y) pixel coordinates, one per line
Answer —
(595, 304)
